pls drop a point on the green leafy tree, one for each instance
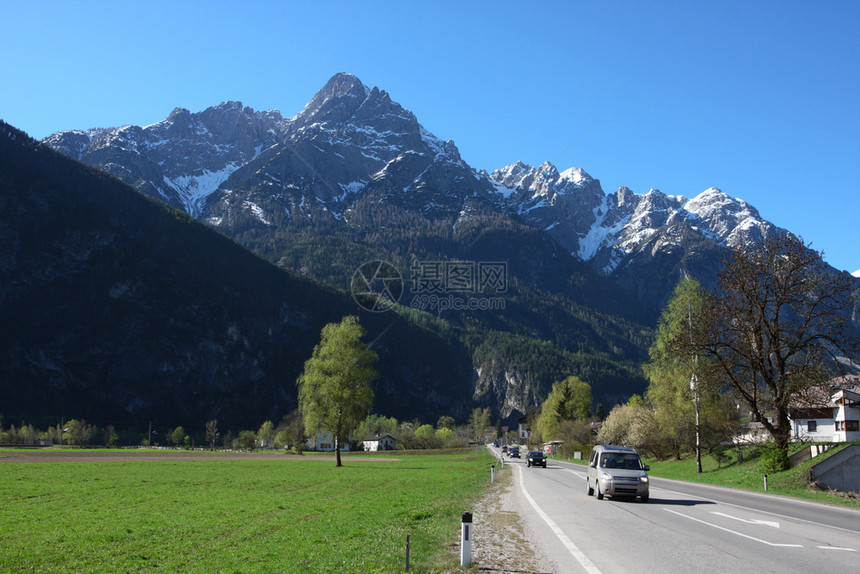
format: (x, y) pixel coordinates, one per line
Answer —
(679, 383)
(291, 431)
(334, 390)
(446, 422)
(575, 436)
(670, 374)
(445, 435)
(569, 399)
(78, 432)
(425, 432)
(377, 425)
(426, 436)
(479, 422)
(248, 440)
(266, 432)
(178, 436)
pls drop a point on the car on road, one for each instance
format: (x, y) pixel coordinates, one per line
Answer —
(514, 453)
(616, 471)
(505, 448)
(536, 458)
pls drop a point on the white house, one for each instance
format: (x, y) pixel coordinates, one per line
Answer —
(375, 443)
(831, 412)
(753, 432)
(523, 431)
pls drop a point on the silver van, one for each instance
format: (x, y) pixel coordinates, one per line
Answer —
(616, 471)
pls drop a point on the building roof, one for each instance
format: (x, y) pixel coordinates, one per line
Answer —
(823, 395)
(379, 438)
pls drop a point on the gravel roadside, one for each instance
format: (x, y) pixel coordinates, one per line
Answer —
(501, 544)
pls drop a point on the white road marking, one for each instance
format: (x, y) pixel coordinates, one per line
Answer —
(736, 532)
(836, 548)
(765, 522)
(568, 543)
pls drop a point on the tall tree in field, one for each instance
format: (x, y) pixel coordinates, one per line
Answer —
(212, 432)
(569, 399)
(334, 390)
(776, 326)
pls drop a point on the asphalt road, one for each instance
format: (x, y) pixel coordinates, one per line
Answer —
(685, 528)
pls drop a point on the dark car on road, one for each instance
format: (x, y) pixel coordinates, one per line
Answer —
(536, 458)
(514, 453)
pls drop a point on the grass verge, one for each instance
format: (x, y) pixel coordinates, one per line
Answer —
(290, 514)
(747, 475)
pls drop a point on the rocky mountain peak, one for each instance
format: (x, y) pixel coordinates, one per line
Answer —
(624, 196)
(576, 175)
(178, 115)
(336, 102)
(731, 221)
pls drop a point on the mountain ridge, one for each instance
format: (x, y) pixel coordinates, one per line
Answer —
(365, 131)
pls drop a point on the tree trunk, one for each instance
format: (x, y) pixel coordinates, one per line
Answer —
(337, 450)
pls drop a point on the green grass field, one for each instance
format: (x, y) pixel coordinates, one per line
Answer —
(288, 514)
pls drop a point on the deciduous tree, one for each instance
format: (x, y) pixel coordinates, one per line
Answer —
(264, 435)
(569, 399)
(334, 390)
(777, 325)
(211, 432)
(479, 422)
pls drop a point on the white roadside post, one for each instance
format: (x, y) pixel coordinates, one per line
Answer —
(466, 540)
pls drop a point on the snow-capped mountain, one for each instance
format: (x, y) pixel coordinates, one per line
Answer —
(239, 170)
(181, 159)
(348, 142)
(607, 229)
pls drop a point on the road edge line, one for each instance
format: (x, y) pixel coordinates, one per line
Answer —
(568, 543)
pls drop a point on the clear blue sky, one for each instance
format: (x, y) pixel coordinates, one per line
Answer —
(760, 99)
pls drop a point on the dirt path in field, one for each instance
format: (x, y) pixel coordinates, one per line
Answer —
(125, 455)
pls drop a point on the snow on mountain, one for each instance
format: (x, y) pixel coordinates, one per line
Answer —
(234, 167)
(856, 274)
(181, 159)
(608, 229)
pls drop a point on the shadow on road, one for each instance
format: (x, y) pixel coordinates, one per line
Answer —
(676, 502)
